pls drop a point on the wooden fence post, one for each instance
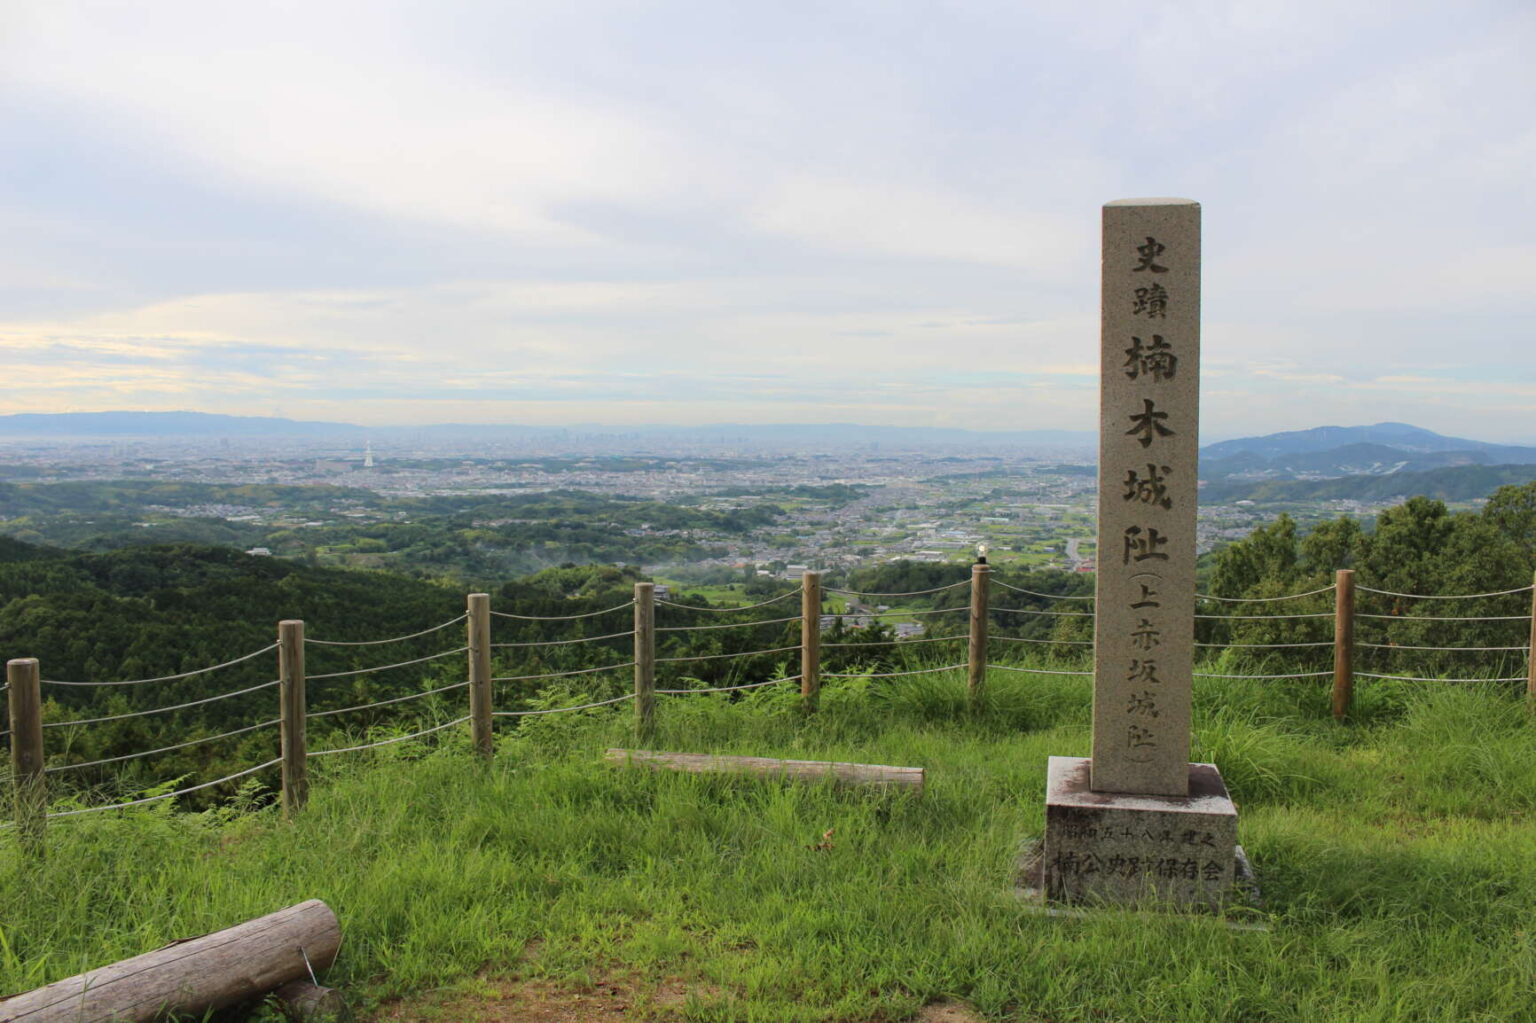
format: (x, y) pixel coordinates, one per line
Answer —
(290, 667)
(645, 661)
(1530, 654)
(976, 674)
(26, 714)
(478, 623)
(810, 641)
(1343, 642)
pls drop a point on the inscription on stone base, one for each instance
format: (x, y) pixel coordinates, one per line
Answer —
(1111, 847)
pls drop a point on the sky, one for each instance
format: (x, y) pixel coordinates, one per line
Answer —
(723, 211)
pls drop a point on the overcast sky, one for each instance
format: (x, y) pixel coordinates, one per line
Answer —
(656, 212)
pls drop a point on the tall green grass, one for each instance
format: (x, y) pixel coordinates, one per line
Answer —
(1397, 858)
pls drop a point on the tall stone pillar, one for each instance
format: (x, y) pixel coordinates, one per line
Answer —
(1138, 820)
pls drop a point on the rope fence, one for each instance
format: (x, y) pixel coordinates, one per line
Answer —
(162, 749)
(1446, 596)
(725, 625)
(562, 710)
(721, 657)
(563, 674)
(730, 689)
(169, 678)
(21, 686)
(167, 795)
(744, 607)
(391, 639)
(562, 642)
(388, 667)
(160, 710)
(388, 742)
(385, 703)
(564, 618)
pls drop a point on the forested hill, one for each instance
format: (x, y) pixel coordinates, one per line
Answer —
(162, 609)
(1452, 483)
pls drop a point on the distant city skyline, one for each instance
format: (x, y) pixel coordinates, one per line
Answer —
(690, 213)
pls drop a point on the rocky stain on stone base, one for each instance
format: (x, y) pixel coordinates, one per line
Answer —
(1113, 847)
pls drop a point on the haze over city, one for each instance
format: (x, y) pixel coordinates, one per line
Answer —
(697, 213)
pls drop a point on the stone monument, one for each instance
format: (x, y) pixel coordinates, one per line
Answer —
(1137, 822)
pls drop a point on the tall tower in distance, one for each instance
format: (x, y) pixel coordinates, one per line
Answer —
(368, 455)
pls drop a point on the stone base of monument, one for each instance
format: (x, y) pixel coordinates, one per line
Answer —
(1122, 849)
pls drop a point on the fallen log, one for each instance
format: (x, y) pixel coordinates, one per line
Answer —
(880, 775)
(191, 976)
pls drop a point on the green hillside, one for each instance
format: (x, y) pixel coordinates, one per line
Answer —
(1396, 858)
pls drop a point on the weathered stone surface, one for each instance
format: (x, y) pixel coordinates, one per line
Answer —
(1148, 443)
(1110, 847)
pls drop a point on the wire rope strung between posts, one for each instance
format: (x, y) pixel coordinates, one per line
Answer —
(562, 710)
(891, 674)
(1445, 596)
(1051, 642)
(385, 703)
(1049, 614)
(563, 674)
(722, 625)
(1264, 646)
(717, 657)
(391, 639)
(1264, 618)
(563, 642)
(1445, 618)
(1444, 649)
(160, 710)
(909, 593)
(1266, 600)
(1038, 671)
(895, 642)
(1302, 674)
(168, 678)
(387, 742)
(563, 618)
(1037, 593)
(900, 614)
(1414, 678)
(729, 689)
(387, 667)
(165, 795)
(742, 607)
(163, 749)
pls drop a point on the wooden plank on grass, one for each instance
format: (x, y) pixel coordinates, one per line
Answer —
(767, 767)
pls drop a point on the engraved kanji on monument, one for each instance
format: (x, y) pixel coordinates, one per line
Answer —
(1137, 819)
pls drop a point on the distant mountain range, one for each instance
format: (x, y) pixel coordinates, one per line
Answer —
(1383, 461)
(1364, 462)
(1384, 447)
(204, 426)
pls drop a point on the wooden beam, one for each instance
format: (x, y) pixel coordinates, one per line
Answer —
(810, 640)
(1343, 642)
(192, 976)
(976, 667)
(478, 623)
(767, 767)
(294, 745)
(28, 776)
(645, 661)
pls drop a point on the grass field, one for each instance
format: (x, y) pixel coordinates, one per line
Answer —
(1397, 857)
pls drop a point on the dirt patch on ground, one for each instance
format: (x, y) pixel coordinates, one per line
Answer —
(542, 1001)
(948, 1012)
(606, 1001)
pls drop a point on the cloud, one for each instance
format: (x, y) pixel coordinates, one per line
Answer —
(602, 209)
